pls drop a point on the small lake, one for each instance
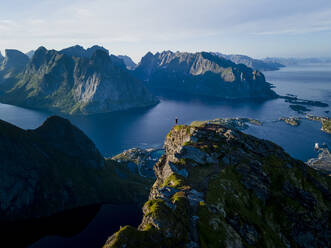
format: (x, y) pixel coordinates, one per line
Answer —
(115, 132)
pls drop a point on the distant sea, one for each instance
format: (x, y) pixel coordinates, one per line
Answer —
(116, 132)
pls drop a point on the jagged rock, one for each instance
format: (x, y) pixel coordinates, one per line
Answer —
(140, 160)
(238, 123)
(79, 51)
(202, 74)
(255, 195)
(323, 162)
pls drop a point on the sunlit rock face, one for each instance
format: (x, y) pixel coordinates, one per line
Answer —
(218, 187)
(86, 84)
(202, 74)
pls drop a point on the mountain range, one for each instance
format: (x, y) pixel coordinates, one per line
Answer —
(256, 64)
(73, 81)
(201, 74)
(296, 61)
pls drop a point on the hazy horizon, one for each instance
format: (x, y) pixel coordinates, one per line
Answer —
(258, 28)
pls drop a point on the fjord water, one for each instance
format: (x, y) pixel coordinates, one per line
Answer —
(115, 132)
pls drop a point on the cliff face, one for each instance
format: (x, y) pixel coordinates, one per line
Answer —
(58, 82)
(202, 74)
(10, 66)
(218, 187)
(55, 168)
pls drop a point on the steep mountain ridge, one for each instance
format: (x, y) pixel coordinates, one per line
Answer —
(218, 187)
(202, 74)
(58, 82)
(56, 167)
(79, 51)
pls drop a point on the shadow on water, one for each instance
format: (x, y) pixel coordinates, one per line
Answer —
(66, 224)
(83, 227)
(106, 222)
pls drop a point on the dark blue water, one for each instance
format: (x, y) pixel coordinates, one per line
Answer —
(115, 132)
(106, 222)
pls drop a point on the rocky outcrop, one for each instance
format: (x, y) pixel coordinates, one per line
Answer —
(140, 161)
(202, 74)
(218, 187)
(58, 82)
(238, 123)
(56, 167)
(323, 162)
(255, 64)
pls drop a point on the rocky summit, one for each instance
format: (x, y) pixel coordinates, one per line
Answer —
(219, 187)
(202, 74)
(56, 167)
(61, 82)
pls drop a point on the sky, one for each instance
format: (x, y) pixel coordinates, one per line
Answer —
(258, 28)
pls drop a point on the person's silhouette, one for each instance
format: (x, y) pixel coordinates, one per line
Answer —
(176, 121)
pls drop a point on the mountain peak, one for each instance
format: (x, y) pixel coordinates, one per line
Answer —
(14, 63)
(15, 54)
(79, 51)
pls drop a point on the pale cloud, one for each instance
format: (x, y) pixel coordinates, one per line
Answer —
(134, 27)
